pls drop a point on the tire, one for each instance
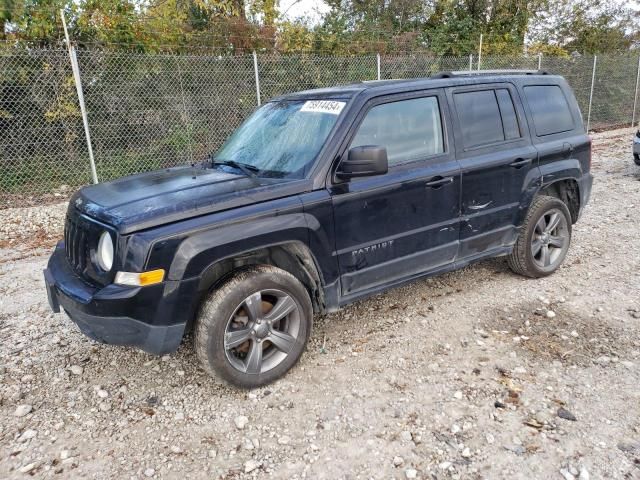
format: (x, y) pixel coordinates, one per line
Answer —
(539, 251)
(240, 334)
(636, 159)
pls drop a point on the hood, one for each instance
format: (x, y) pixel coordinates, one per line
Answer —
(155, 198)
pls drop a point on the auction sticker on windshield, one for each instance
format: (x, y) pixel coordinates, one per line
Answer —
(323, 106)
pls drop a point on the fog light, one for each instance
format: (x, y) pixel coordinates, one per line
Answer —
(139, 279)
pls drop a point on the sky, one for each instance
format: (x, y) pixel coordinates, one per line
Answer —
(311, 9)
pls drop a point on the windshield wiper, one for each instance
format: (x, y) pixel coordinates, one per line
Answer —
(249, 170)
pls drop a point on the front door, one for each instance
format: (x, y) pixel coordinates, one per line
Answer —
(398, 225)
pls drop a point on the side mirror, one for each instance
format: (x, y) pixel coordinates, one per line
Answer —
(364, 161)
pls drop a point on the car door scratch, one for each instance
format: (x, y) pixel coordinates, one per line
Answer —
(480, 207)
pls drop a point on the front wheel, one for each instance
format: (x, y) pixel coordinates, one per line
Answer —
(544, 240)
(636, 159)
(254, 328)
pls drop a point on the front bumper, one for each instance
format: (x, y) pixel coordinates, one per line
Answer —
(151, 318)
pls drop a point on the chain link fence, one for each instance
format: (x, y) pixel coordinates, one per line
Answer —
(149, 111)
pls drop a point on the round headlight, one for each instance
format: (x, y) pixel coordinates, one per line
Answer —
(105, 252)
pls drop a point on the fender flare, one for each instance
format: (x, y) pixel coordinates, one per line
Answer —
(201, 249)
(547, 175)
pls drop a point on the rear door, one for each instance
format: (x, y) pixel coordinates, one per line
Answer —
(394, 226)
(498, 162)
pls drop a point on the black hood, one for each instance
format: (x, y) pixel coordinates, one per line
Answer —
(163, 196)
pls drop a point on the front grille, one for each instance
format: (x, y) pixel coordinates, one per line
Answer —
(75, 242)
(81, 236)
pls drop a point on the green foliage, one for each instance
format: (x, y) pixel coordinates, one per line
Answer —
(442, 27)
(295, 37)
(38, 21)
(586, 26)
(110, 21)
(548, 50)
(127, 163)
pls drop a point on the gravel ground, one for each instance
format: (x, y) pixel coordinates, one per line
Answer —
(474, 374)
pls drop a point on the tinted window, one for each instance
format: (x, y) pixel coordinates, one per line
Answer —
(508, 113)
(550, 109)
(479, 118)
(409, 129)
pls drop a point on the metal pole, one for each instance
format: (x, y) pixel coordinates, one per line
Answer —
(185, 114)
(540, 61)
(635, 97)
(83, 111)
(255, 69)
(480, 52)
(471, 61)
(378, 57)
(593, 79)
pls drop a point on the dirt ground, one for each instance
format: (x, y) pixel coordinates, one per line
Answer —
(474, 374)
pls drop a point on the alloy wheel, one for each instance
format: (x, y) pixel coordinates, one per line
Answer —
(550, 239)
(262, 331)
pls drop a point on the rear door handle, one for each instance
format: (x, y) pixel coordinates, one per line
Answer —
(437, 182)
(520, 162)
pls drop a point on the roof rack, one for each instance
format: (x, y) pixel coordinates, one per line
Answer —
(468, 73)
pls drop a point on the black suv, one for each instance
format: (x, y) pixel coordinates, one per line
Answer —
(321, 198)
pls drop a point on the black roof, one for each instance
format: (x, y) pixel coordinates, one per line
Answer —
(438, 80)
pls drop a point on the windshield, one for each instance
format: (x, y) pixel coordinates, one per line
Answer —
(282, 139)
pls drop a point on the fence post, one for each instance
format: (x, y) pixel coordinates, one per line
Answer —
(471, 61)
(540, 61)
(480, 51)
(378, 59)
(255, 69)
(187, 119)
(83, 111)
(593, 79)
(635, 96)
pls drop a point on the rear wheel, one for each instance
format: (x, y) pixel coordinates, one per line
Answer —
(544, 240)
(254, 328)
(636, 159)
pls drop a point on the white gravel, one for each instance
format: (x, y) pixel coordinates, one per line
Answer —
(457, 376)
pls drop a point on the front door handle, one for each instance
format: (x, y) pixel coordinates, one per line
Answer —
(520, 162)
(437, 182)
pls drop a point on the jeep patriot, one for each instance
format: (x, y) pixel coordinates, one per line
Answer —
(318, 199)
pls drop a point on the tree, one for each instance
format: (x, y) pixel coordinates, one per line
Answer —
(7, 13)
(586, 26)
(38, 21)
(108, 21)
(442, 27)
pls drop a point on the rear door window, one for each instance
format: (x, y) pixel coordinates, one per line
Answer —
(508, 113)
(479, 118)
(409, 129)
(549, 108)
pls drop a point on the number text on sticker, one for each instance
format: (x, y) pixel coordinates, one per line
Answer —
(323, 106)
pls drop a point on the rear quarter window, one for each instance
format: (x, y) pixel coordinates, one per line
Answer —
(549, 108)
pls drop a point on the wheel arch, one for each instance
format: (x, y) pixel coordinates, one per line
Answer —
(568, 191)
(294, 257)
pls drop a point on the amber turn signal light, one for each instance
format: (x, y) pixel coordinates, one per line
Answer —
(140, 279)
